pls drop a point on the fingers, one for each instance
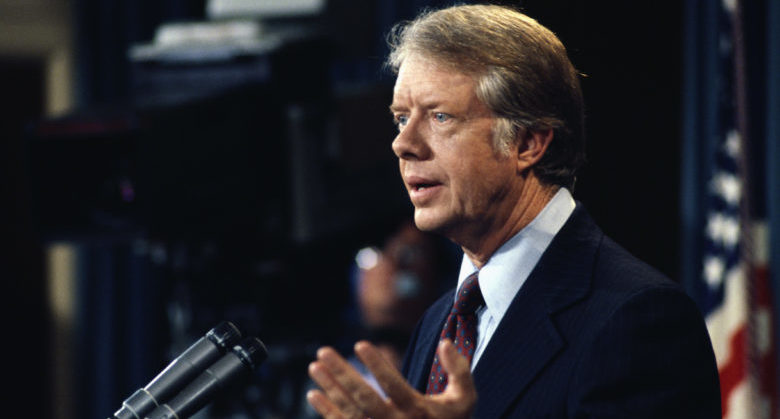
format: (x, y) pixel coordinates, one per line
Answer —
(344, 388)
(388, 377)
(457, 400)
(333, 401)
(345, 394)
(320, 402)
(349, 379)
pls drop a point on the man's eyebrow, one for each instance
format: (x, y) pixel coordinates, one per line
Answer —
(394, 108)
(426, 104)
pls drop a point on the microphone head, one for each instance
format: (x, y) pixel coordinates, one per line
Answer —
(233, 367)
(224, 334)
(251, 351)
(199, 356)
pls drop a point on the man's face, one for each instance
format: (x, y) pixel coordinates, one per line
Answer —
(459, 184)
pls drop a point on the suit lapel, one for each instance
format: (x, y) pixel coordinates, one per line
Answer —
(428, 339)
(561, 278)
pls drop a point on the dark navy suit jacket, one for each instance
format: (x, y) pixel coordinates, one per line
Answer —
(593, 333)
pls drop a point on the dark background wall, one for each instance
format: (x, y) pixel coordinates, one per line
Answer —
(630, 55)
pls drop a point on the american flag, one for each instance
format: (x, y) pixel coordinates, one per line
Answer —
(735, 301)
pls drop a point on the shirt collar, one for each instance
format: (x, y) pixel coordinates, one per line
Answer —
(508, 268)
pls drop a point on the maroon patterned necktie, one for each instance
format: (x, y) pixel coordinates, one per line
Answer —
(461, 328)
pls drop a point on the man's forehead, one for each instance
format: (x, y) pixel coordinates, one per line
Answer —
(432, 63)
(430, 78)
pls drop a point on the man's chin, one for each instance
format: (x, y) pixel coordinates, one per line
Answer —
(427, 221)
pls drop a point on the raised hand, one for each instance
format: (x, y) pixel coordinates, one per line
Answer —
(345, 394)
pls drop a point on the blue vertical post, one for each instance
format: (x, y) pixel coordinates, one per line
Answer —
(690, 203)
(700, 128)
(773, 156)
(104, 342)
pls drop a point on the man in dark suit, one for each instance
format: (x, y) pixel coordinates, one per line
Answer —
(551, 318)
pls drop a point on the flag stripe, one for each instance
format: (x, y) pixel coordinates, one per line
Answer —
(734, 370)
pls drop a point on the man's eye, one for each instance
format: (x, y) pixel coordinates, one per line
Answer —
(441, 117)
(401, 120)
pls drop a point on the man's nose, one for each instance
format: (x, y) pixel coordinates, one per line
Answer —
(410, 143)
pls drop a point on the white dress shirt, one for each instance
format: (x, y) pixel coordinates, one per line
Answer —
(506, 271)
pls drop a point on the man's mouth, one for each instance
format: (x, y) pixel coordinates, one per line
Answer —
(422, 186)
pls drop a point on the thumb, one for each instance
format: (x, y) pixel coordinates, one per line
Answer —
(460, 384)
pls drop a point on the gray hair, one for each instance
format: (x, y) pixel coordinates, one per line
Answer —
(522, 72)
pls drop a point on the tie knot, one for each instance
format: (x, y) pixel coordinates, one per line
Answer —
(469, 296)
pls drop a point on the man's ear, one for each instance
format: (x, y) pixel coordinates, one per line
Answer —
(533, 145)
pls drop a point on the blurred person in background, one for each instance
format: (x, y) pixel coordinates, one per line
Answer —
(394, 286)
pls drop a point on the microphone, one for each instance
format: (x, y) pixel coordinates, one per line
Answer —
(234, 365)
(180, 372)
